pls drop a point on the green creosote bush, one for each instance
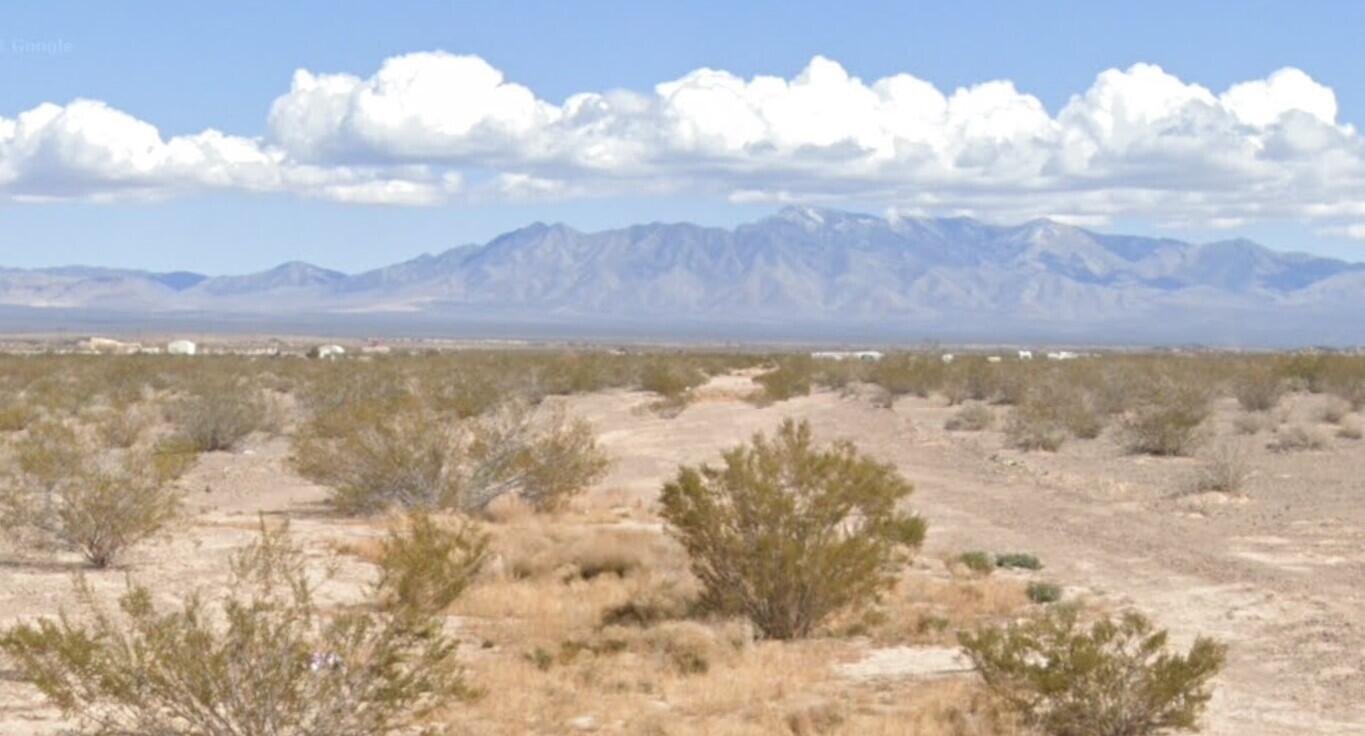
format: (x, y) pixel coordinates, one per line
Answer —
(786, 533)
(793, 376)
(1043, 593)
(1168, 419)
(978, 562)
(1018, 561)
(426, 563)
(265, 659)
(672, 380)
(1114, 677)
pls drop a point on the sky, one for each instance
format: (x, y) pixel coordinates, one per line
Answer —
(229, 139)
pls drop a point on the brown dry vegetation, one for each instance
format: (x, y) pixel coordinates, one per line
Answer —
(582, 613)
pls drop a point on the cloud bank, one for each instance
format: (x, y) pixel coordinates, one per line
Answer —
(435, 128)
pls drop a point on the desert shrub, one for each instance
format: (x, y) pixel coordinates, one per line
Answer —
(1035, 424)
(974, 418)
(425, 563)
(419, 460)
(267, 660)
(1043, 593)
(121, 429)
(1258, 388)
(1078, 411)
(970, 378)
(1018, 561)
(1113, 678)
(95, 510)
(1224, 469)
(1334, 410)
(47, 453)
(172, 457)
(1350, 431)
(16, 416)
(906, 375)
(1167, 420)
(1249, 423)
(650, 607)
(792, 377)
(672, 380)
(787, 533)
(219, 415)
(976, 561)
(1297, 439)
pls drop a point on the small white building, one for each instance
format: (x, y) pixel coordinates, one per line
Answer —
(993, 359)
(330, 352)
(1026, 355)
(947, 357)
(182, 347)
(1063, 355)
(106, 346)
(869, 355)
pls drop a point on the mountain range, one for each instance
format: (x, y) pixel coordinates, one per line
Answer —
(803, 272)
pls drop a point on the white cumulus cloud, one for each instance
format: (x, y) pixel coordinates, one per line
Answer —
(433, 127)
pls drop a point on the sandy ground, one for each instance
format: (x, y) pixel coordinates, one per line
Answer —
(1277, 574)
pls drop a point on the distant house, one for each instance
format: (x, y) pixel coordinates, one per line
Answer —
(1026, 355)
(327, 351)
(869, 355)
(1063, 355)
(182, 347)
(106, 346)
(993, 359)
(947, 357)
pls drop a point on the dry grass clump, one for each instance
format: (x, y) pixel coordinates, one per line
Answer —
(1297, 438)
(1350, 431)
(786, 534)
(266, 659)
(927, 610)
(973, 418)
(1168, 419)
(418, 459)
(1225, 469)
(1115, 677)
(535, 549)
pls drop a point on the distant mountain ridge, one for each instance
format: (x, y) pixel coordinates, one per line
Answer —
(800, 269)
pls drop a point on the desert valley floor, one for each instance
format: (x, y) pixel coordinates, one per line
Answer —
(1278, 573)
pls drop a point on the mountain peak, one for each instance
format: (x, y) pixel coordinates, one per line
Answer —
(820, 218)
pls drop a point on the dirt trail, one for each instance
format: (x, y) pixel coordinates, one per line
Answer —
(1297, 654)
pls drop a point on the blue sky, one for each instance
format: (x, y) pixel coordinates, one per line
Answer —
(87, 187)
